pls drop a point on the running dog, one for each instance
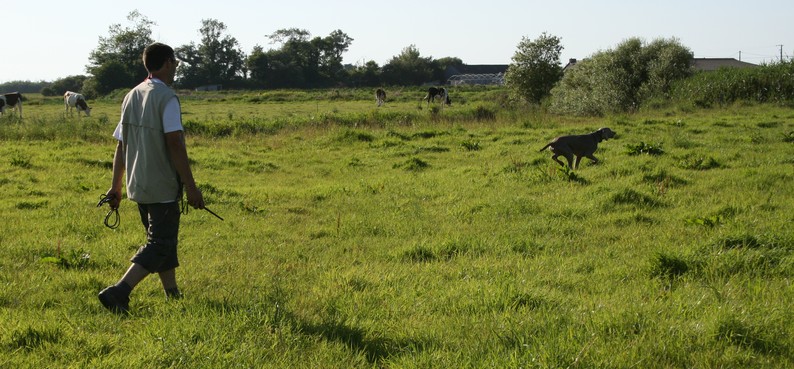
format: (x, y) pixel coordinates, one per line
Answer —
(578, 146)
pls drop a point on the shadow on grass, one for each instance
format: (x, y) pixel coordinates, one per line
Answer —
(376, 349)
(375, 346)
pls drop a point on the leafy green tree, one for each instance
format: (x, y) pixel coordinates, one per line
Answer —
(24, 86)
(258, 64)
(440, 66)
(300, 61)
(668, 61)
(288, 72)
(408, 68)
(190, 72)
(283, 67)
(120, 53)
(107, 78)
(622, 79)
(217, 60)
(367, 75)
(331, 49)
(71, 83)
(536, 68)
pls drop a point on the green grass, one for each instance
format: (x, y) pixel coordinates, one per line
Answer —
(357, 237)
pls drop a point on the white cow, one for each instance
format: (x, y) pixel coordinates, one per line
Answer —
(77, 101)
(11, 100)
(440, 92)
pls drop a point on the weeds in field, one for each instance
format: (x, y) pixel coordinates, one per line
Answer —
(412, 164)
(643, 148)
(668, 266)
(470, 145)
(709, 221)
(22, 161)
(696, 162)
(630, 197)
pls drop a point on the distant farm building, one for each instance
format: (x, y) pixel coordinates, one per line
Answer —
(210, 88)
(698, 64)
(712, 64)
(484, 74)
(570, 65)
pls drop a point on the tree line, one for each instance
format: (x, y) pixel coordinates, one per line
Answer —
(616, 80)
(298, 61)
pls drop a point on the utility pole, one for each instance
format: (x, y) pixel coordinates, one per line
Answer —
(781, 52)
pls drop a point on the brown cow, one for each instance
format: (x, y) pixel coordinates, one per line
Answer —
(380, 96)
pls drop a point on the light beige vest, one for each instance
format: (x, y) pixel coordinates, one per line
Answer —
(151, 177)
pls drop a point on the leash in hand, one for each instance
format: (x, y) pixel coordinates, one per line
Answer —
(105, 198)
(213, 213)
(114, 213)
(185, 208)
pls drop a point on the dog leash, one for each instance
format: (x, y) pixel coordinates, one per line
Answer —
(213, 213)
(185, 207)
(105, 198)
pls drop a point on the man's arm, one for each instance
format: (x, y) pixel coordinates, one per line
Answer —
(176, 149)
(118, 176)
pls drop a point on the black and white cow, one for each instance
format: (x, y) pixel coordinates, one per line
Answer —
(380, 96)
(11, 100)
(77, 101)
(439, 92)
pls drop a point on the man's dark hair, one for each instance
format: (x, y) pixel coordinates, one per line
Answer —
(155, 55)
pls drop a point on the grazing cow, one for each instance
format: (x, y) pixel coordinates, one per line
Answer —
(380, 96)
(440, 92)
(77, 101)
(11, 100)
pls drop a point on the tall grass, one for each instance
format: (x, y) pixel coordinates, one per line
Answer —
(356, 239)
(766, 84)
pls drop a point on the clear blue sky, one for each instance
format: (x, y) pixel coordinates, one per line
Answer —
(47, 40)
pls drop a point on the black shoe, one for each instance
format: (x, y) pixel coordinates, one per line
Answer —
(114, 301)
(173, 294)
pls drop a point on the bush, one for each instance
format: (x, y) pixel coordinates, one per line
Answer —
(767, 83)
(620, 80)
(535, 68)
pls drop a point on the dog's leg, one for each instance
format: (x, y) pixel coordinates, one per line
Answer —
(568, 156)
(558, 160)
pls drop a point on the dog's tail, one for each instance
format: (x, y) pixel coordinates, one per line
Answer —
(544, 147)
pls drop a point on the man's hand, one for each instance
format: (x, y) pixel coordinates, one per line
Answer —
(194, 197)
(114, 195)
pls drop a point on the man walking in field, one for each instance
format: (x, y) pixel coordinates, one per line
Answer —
(151, 152)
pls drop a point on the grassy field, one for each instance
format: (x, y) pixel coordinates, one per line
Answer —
(410, 237)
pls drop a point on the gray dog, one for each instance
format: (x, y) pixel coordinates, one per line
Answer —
(578, 145)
